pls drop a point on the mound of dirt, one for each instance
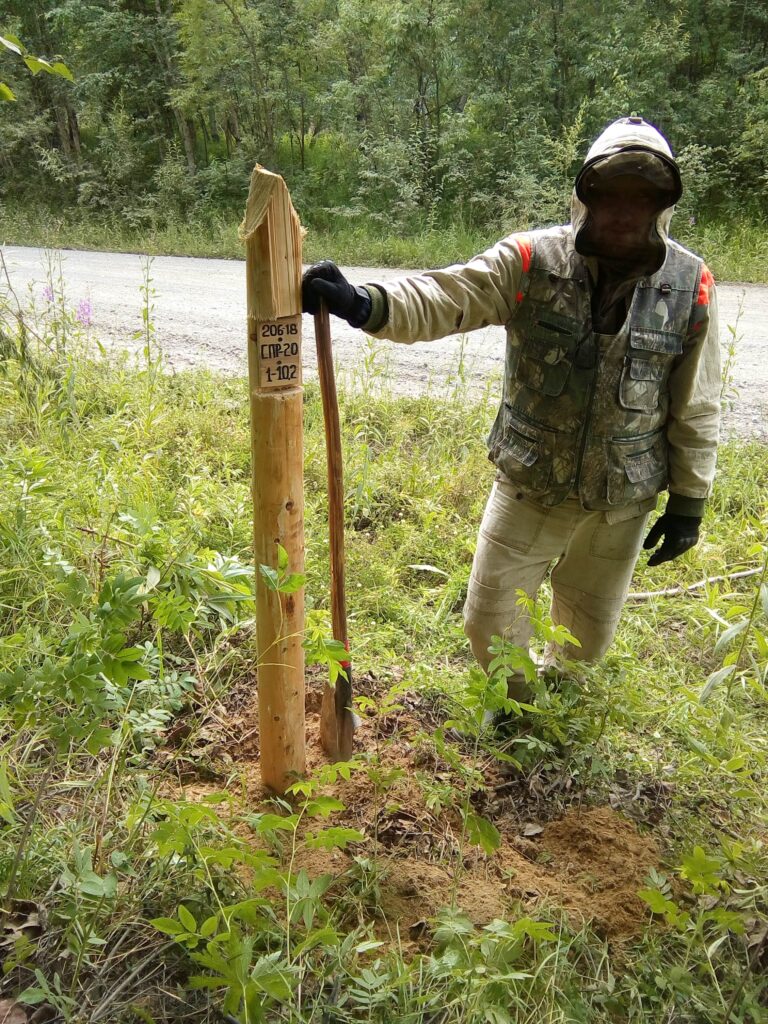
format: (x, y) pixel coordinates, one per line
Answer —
(415, 890)
(589, 862)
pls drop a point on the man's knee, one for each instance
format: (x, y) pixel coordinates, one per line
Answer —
(595, 636)
(482, 624)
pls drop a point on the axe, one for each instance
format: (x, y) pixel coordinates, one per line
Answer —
(337, 720)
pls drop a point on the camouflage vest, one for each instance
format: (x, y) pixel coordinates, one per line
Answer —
(584, 412)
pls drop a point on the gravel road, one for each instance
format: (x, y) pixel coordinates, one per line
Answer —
(199, 314)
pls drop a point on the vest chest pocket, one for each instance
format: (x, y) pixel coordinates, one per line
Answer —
(545, 357)
(646, 368)
(637, 467)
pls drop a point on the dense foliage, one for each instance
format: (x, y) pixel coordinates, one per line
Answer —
(398, 113)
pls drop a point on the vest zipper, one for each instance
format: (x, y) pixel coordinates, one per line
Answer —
(585, 433)
(628, 321)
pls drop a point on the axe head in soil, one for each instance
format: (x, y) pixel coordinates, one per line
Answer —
(337, 720)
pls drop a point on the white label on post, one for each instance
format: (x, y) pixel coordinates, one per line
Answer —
(278, 351)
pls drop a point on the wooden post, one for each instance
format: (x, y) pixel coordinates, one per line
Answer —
(272, 235)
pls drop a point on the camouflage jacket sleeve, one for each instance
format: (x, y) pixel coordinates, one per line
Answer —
(694, 410)
(425, 307)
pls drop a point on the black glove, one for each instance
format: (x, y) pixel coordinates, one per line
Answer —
(680, 533)
(325, 281)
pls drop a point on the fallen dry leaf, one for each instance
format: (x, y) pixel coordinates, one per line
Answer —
(12, 1012)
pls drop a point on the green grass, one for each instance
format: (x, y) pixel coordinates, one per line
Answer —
(734, 250)
(126, 631)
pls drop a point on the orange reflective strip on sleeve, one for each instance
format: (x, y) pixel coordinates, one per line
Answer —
(707, 281)
(524, 245)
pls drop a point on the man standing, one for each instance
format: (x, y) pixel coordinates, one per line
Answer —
(611, 389)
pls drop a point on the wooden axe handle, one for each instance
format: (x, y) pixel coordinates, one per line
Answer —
(336, 718)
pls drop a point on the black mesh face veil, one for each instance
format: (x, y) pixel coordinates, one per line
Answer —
(615, 181)
(624, 175)
(634, 148)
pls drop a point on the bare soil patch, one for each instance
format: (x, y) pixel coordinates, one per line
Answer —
(557, 852)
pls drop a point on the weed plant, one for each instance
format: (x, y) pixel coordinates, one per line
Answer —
(126, 614)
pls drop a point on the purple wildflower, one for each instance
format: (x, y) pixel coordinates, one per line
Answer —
(84, 313)
(48, 293)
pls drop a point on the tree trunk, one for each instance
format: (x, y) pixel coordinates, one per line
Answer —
(51, 94)
(213, 124)
(184, 124)
(187, 132)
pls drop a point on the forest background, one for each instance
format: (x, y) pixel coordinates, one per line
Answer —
(408, 132)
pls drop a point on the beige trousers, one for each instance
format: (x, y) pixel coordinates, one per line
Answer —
(518, 541)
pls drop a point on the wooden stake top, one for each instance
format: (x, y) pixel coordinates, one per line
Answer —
(271, 226)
